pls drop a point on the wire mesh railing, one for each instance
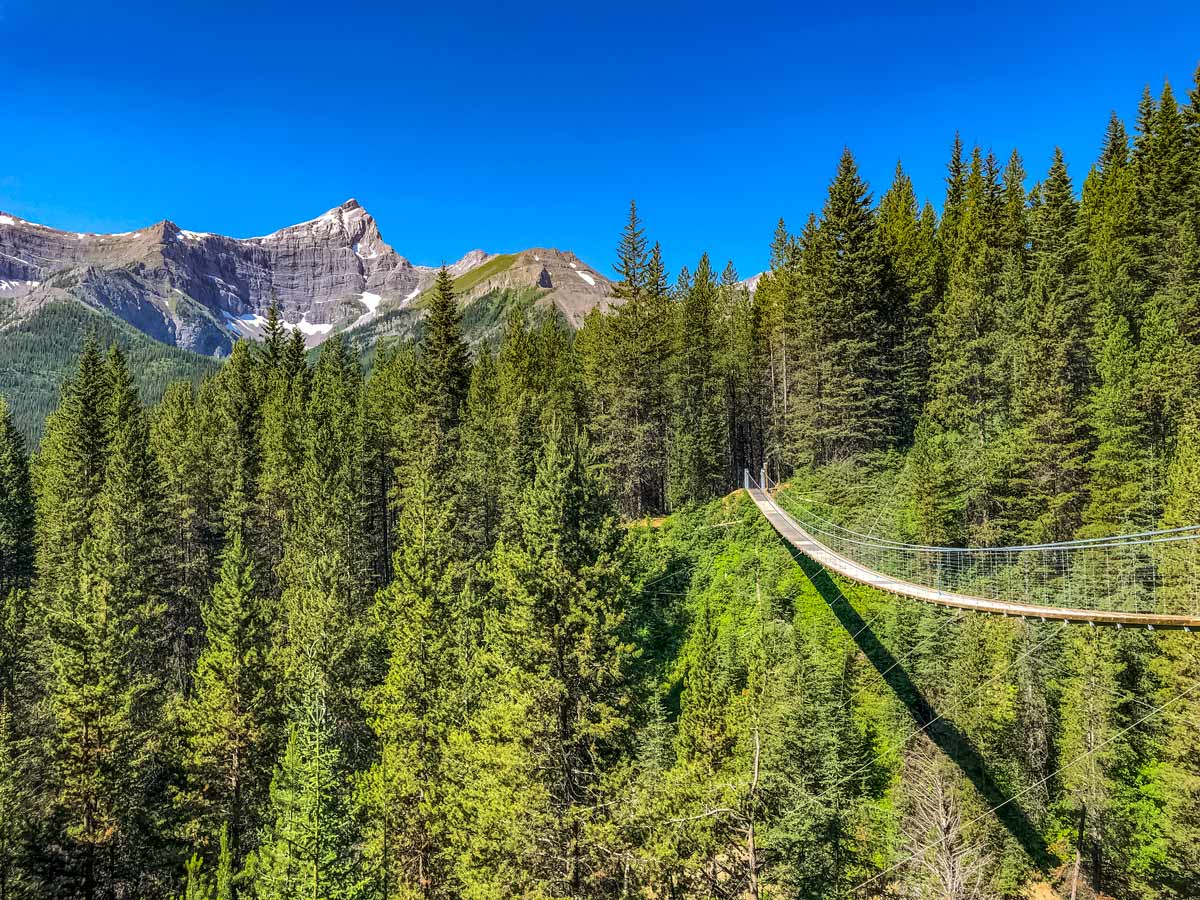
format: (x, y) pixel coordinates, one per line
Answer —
(1151, 572)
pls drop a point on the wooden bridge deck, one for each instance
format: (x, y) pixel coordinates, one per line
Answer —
(795, 535)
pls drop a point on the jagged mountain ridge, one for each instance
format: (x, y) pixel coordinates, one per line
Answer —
(202, 291)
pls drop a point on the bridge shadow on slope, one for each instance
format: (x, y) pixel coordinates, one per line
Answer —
(945, 734)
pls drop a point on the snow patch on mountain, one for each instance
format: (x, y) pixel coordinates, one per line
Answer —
(253, 324)
(371, 302)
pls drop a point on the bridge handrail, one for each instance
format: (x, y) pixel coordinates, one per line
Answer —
(961, 587)
(1158, 536)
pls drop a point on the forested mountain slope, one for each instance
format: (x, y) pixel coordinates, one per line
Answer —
(495, 626)
(39, 352)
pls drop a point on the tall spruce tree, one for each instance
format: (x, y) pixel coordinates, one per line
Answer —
(274, 342)
(625, 360)
(16, 508)
(69, 471)
(445, 368)
(228, 718)
(325, 565)
(698, 432)
(191, 511)
(104, 657)
(559, 719)
(1120, 467)
(1175, 774)
(908, 241)
(969, 388)
(409, 791)
(847, 401)
(233, 401)
(306, 849)
(1051, 387)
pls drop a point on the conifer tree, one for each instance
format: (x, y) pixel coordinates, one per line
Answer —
(1170, 342)
(847, 401)
(482, 461)
(1120, 465)
(968, 385)
(390, 409)
(559, 717)
(16, 881)
(191, 514)
(306, 849)
(233, 399)
(410, 789)
(16, 508)
(1115, 152)
(909, 244)
(777, 300)
(69, 472)
(16, 799)
(1166, 172)
(229, 715)
(1191, 136)
(632, 261)
(274, 342)
(736, 356)
(1013, 239)
(1092, 731)
(281, 423)
(1050, 391)
(953, 208)
(698, 432)
(325, 566)
(656, 274)
(1143, 141)
(445, 369)
(1176, 771)
(295, 356)
(625, 358)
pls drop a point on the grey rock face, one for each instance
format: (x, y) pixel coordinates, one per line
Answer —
(202, 291)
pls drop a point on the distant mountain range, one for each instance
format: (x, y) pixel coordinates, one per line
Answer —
(201, 291)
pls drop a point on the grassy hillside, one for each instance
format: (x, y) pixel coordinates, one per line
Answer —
(483, 318)
(480, 274)
(37, 353)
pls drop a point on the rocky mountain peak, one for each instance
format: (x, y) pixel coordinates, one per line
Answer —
(203, 291)
(470, 261)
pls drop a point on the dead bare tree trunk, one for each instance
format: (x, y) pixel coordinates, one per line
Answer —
(1078, 849)
(954, 867)
(751, 852)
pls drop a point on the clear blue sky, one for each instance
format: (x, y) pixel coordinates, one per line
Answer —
(480, 125)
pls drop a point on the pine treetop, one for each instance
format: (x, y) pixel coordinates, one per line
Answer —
(631, 258)
(1115, 152)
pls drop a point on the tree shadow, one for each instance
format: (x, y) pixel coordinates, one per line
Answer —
(948, 738)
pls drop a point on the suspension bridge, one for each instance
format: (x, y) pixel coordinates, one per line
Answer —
(1150, 579)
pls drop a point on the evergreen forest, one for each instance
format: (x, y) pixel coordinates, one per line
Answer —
(498, 622)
